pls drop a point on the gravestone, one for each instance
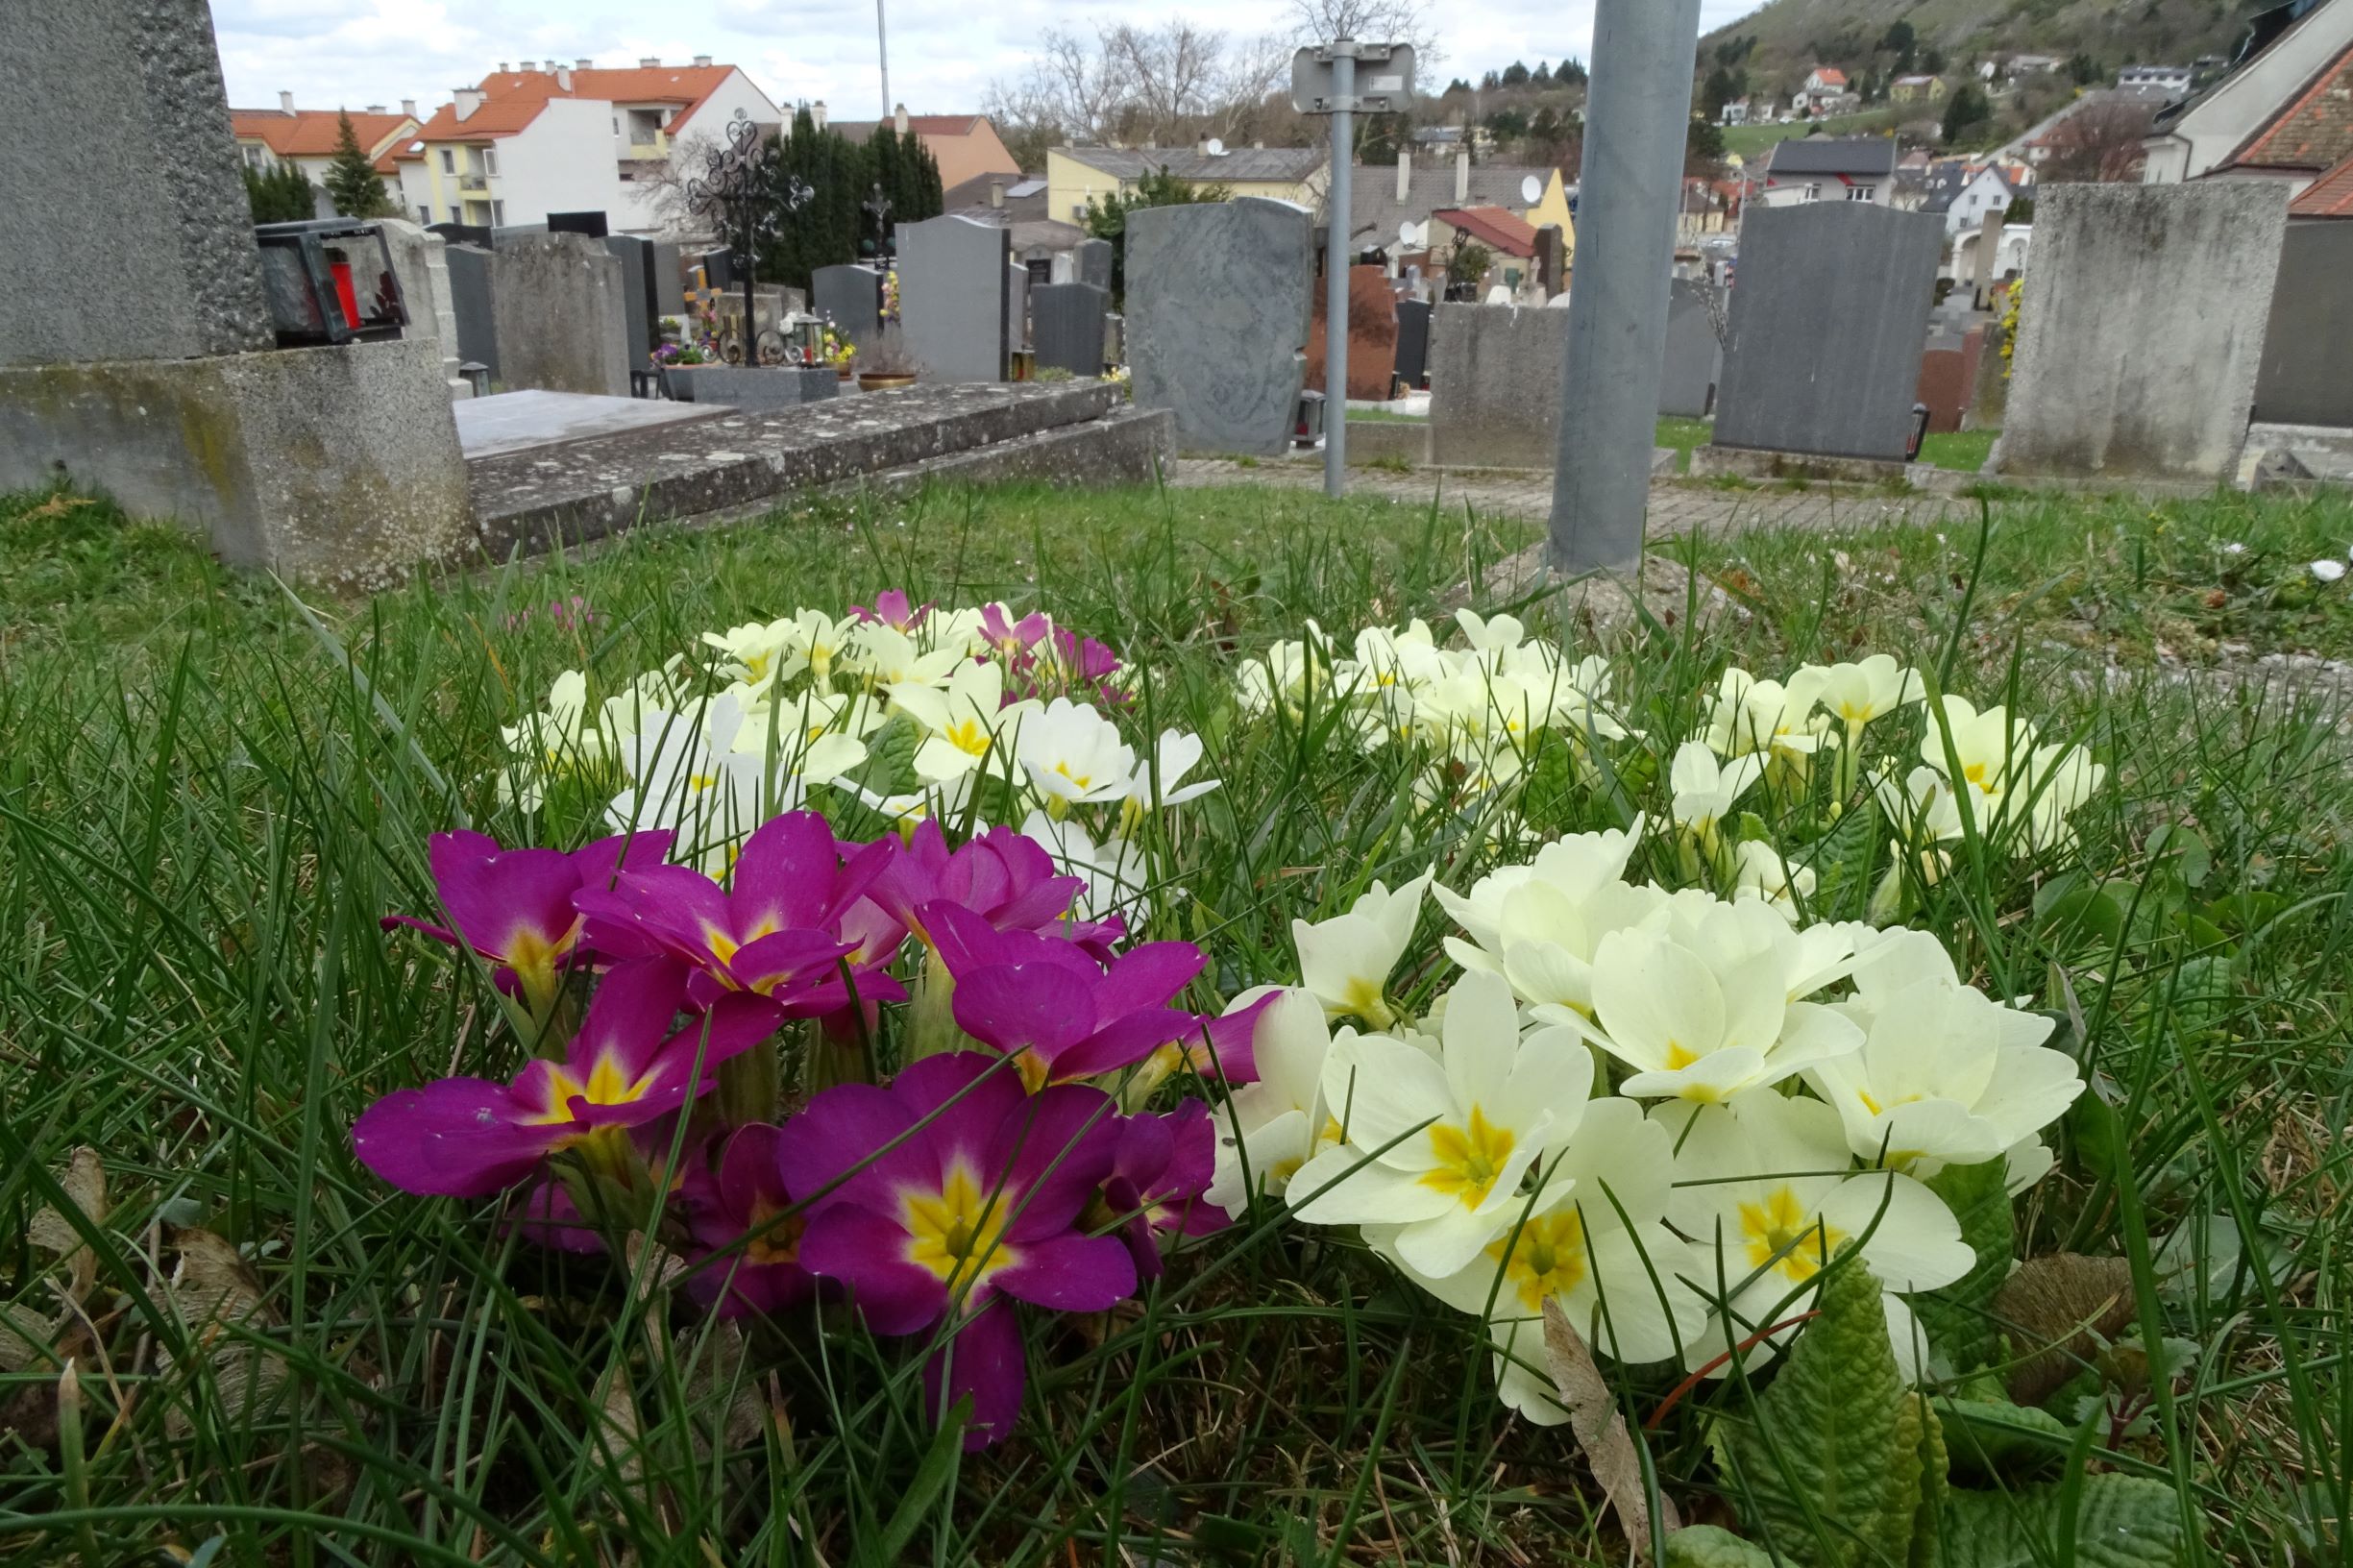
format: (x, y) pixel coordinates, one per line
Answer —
(1412, 362)
(753, 387)
(1495, 385)
(1016, 305)
(2307, 374)
(636, 291)
(560, 310)
(137, 356)
(1827, 320)
(1694, 362)
(1218, 303)
(1114, 339)
(717, 268)
(851, 298)
(462, 234)
(1068, 326)
(1949, 372)
(472, 280)
(667, 275)
(1091, 263)
(2140, 334)
(954, 300)
(419, 261)
(1372, 336)
(1552, 260)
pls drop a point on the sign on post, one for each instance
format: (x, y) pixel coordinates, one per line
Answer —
(1342, 79)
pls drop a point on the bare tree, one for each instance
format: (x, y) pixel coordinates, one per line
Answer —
(1168, 83)
(1369, 21)
(2099, 144)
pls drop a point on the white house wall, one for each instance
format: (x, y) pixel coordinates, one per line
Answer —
(561, 162)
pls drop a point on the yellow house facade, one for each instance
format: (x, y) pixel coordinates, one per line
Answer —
(1079, 176)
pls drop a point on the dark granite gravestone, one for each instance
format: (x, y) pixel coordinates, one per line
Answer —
(2307, 375)
(1218, 303)
(473, 274)
(637, 293)
(952, 298)
(753, 387)
(2141, 333)
(1552, 260)
(667, 280)
(477, 234)
(851, 298)
(1067, 324)
(1091, 261)
(1495, 385)
(1828, 315)
(595, 225)
(1412, 362)
(1694, 364)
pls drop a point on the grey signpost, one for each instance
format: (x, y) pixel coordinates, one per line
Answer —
(1637, 117)
(1324, 81)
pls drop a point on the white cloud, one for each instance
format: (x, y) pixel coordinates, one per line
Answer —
(943, 53)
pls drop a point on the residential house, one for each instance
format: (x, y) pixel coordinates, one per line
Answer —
(1828, 168)
(575, 138)
(1017, 202)
(2018, 65)
(2284, 112)
(2009, 250)
(308, 139)
(1921, 91)
(2330, 197)
(964, 146)
(2173, 81)
(1963, 198)
(1076, 176)
(1381, 198)
(1736, 113)
(1508, 237)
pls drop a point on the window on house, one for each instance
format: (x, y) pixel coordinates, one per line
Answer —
(425, 213)
(1860, 193)
(253, 156)
(449, 161)
(490, 161)
(498, 213)
(1813, 192)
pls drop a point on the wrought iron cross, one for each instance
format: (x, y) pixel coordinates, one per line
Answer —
(750, 214)
(877, 206)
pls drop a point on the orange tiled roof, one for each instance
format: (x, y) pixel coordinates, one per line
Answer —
(2331, 196)
(1831, 75)
(2316, 132)
(511, 100)
(1498, 228)
(309, 133)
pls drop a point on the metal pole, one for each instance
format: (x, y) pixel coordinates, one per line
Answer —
(1335, 275)
(1637, 116)
(882, 47)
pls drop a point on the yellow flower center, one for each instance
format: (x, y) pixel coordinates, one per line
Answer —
(607, 1084)
(1547, 1259)
(776, 1242)
(1677, 1057)
(1082, 780)
(1780, 1226)
(958, 1232)
(1470, 1157)
(971, 737)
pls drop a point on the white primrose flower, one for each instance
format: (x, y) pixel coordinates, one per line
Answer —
(1117, 871)
(1073, 755)
(1346, 960)
(1760, 872)
(553, 743)
(1599, 1246)
(1440, 1149)
(969, 725)
(1947, 1075)
(1538, 924)
(1704, 791)
(1159, 778)
(1868, 689)
(687, 775)
(1749, 716)
(1272, 1127)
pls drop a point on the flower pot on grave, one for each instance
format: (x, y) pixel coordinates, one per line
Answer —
(875, 380)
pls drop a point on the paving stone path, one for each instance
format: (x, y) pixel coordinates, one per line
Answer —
(1675, 507)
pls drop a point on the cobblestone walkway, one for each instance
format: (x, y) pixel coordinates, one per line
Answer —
(1675, 507)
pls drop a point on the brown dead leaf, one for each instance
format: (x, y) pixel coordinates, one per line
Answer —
(29, 1337)
(1600, 1428)
(2053, 1307)
(58, 505)
(216, 1293)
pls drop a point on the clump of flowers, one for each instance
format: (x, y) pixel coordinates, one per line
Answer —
(836, 350)
(890, 294)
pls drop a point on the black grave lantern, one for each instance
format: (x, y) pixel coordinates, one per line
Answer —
(329, 280)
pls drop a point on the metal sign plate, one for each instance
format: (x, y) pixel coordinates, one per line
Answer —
(1384, 80)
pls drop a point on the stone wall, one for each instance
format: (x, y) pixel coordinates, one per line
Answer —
(2141, 331)
(561, 315)
(1495, 385)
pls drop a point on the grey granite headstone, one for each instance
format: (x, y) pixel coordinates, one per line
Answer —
(1016, 305)
(668, 273)
(132, 235)
(851, 298)
(1114, 339)
(1830, 313)
(1413, 364)
(637, 293)
(419, 261)
(761, 386)
(1495, 385)
(561, 312)
(952, 298)
(1217, 306)
(1068, 325)
(1986, 260)
(2140, 334)
(472, 285)
(1695, 355)
(2307, 375)
(1090, 259)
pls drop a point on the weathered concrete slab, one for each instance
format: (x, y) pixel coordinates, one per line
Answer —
(1217, 301)
(953, 298)
(561, 309)
(2140, 334)
(1829, 312)
(2307, 374)
(1495, 385)
(528, 421)
(1129, 446)
(533, 500)
(419, 261)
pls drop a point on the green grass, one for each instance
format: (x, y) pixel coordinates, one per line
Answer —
(1964, 451)
(209, 804)
(1749, 140)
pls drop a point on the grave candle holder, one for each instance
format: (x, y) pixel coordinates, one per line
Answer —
(329, 280)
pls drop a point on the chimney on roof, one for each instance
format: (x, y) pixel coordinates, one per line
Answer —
(374, 108)
(285, 103)
(996, 193)
(563, 77)
(408, 107)
(529, 65)
(1462, 177)
(703, 61)
(466, 100)
(502, 67)
(648, 62)
(899, 118)
(817, 114)
(1404, 175)
(584, 63)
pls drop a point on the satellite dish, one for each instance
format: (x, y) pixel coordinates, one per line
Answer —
(1218, 148)
(1410, 234)
(1531, 190)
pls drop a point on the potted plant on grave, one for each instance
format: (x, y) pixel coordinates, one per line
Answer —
(839, 352)
(892, 367)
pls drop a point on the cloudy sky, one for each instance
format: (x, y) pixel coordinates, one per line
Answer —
(943, 53)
